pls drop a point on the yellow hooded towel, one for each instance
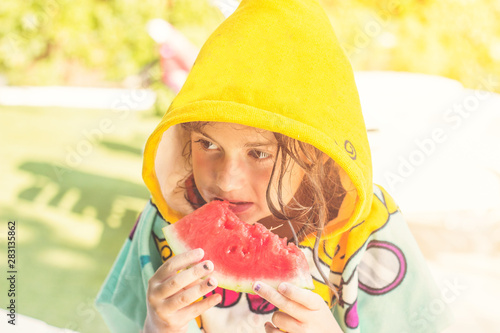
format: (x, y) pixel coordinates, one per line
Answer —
(277, 65)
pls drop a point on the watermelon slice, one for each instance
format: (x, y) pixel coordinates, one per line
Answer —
(241, 253)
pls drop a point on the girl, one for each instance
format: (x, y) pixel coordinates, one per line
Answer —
(269, 119)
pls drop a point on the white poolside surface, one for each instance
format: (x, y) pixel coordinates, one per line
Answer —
(435, 148)
(449, 190)
(81, 97)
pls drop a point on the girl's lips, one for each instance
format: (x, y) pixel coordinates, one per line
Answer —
(238, 208)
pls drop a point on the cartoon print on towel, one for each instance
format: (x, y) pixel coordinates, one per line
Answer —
(230, 298)
(349, 272)
(381, 254)
(383, 257)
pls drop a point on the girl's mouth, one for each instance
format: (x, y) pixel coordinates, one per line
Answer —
(240, 207)
(237, 206)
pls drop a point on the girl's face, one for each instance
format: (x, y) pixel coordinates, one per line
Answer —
(234, 162)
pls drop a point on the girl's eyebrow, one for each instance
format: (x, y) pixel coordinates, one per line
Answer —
(247, 145)
(259, 144)
(205, 135)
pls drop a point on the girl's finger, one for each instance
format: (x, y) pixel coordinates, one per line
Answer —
(180, 281)
(307, 298)
(192, 284)
(186, 297)
(287, 323)
(283, 303)
(176, 263)
(197, 308)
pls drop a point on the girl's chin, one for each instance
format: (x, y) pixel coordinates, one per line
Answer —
(247, 218)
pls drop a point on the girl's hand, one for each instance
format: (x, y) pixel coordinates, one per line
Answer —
(301, 310)
(171, 294)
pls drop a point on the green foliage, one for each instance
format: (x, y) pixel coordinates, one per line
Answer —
(81, 42)
(456, 39)
(98, 42)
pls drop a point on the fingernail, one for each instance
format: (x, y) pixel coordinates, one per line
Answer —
(207, 266)
(269, 324)
(211, 282)
(256, 286)
(200, 253)
(282, 287)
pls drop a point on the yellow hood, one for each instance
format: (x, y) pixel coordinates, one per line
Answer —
(276, 65)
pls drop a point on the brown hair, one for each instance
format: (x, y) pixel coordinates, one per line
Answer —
(321, 190)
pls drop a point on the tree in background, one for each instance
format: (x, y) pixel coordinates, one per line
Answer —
(89, 42)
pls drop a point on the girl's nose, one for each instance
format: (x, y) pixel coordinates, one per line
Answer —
(231, 175)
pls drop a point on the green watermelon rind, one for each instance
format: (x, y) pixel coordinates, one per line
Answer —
(304, 280)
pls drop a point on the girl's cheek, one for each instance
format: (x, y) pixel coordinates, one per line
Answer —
(200, 160)
(261, 180)
(201, 168)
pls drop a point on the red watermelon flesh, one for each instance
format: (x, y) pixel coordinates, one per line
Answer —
(242, 253)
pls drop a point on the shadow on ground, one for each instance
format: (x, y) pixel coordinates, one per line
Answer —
(109, 199)
(71, 225)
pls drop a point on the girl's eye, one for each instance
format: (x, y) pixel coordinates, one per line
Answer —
(207, 145)
(259, 154)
